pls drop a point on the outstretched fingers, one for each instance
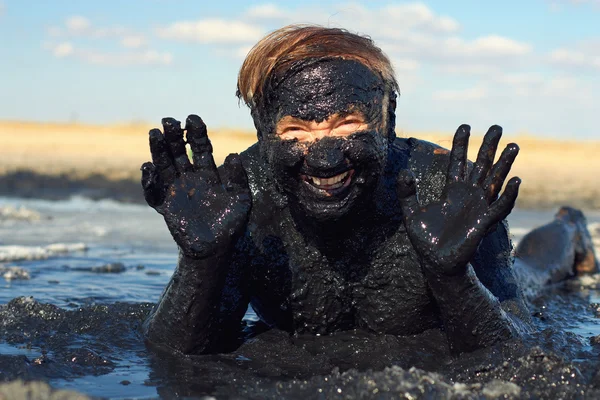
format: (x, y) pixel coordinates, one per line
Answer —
(457, 168)
(234, 174)
(485, 157)
(201, 147)
(407, 192)
(161, 155)
(500, 209)
(174, 137)
(495, 179)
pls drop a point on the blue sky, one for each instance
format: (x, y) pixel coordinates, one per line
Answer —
(531, 66)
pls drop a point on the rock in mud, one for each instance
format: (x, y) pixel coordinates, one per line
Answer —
(13, 272)
(271, 364)
(113, 268)
(11, 213)
(21, 253)
(36, 391)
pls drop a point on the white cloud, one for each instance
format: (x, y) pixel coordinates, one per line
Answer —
(123, 58)
(147, 57)
(266, 11)
(559, 5)
(469, 69)
(62, 50)
(415, 15)
(577, 2)
(570, 88)
(243, 51)
(473, 93)
(405, 64)
(212, 31)
(133, 41)
(406, 31)
(520, 78)
(79, 29)
(493, 46)
(584, 55)
(78, 24)
(458, 55)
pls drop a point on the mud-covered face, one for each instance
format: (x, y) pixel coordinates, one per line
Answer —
(323, 135)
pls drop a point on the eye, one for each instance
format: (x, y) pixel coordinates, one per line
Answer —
(349, 125)
(293, 132)
(289, 129)
(351, 122)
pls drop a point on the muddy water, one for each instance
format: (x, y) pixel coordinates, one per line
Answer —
(78, 277)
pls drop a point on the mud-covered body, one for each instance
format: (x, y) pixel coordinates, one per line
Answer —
(360, 272)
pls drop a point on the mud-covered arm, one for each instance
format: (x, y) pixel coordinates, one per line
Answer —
(187, 314)
(206, 211)
(447, 233)
(472, 316)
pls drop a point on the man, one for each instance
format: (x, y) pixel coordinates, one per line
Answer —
(330, 222)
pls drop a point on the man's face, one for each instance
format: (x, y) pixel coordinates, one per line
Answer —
(327, 144)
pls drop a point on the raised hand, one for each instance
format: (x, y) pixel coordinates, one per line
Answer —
(202, 209)
(446, 233)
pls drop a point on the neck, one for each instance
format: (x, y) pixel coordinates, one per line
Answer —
(332, 233)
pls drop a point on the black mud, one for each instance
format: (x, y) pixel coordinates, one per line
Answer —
(554, 362)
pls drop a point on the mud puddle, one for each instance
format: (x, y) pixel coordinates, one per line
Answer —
(74, 322)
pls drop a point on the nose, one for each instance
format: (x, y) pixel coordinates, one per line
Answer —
(325, 154)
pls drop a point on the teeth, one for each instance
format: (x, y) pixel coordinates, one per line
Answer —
(328, 181)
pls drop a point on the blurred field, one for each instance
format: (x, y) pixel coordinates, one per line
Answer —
(553, 172)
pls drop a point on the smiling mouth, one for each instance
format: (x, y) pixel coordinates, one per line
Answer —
(331, 185)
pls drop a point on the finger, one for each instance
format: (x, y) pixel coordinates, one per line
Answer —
(161, 155)
(407, 192)
(152, 184)
(495, 179)
(458, 155)
(201, 147)
(234, 174)
(485, 157)
(174, 136)
(500, 209)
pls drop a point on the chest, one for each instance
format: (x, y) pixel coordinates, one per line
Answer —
(374, 284)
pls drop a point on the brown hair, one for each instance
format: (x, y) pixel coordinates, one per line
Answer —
(277, 52)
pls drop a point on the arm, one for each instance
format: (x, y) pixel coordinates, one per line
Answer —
(206, 217)
(185, 318)
(446, 234)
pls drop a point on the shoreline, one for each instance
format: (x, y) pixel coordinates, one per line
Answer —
(58, 160)
(97, 186)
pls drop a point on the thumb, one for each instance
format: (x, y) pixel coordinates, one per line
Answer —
(406, 189)
(235, 176)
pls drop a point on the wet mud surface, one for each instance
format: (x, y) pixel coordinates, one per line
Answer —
(557, 361)
(81, 331)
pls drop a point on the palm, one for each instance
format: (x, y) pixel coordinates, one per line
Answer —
(202, 213)
(446, 233)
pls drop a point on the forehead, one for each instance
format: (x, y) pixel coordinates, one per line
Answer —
(317, 89)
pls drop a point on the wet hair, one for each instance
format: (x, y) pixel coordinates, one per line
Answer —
(280, 50)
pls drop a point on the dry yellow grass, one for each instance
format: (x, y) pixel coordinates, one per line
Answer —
(553, 172)
(114, 150)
